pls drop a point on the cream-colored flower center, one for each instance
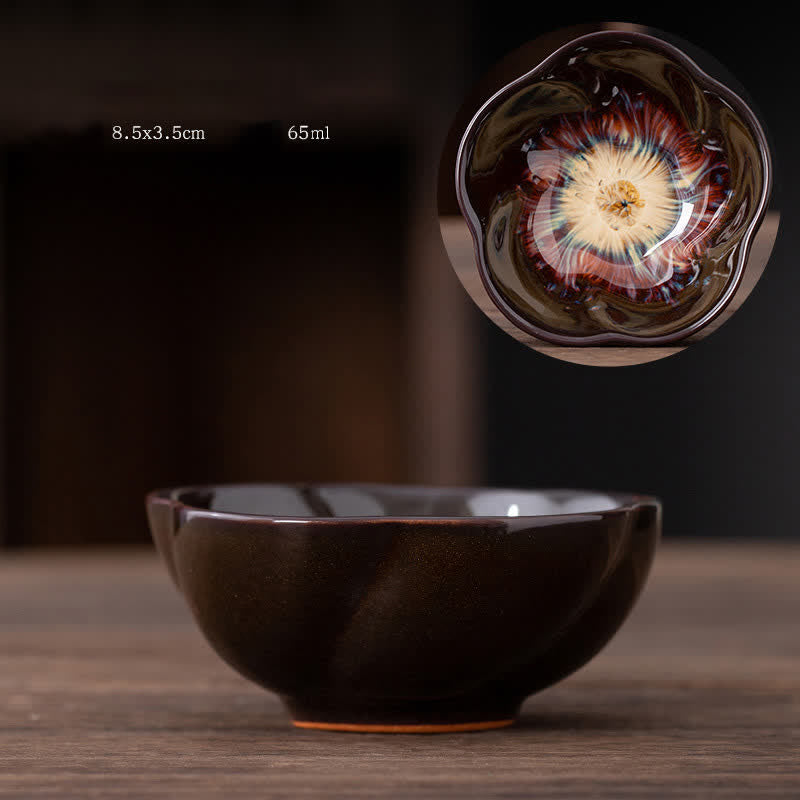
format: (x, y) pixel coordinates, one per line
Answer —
(619, 200)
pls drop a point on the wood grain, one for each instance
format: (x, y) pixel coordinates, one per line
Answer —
(108, 690)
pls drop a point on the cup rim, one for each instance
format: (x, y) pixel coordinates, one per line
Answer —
(177, 499)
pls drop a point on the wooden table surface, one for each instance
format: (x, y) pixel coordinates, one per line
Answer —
(108, 690)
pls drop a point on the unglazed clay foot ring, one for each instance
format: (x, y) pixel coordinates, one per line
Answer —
(458, 727)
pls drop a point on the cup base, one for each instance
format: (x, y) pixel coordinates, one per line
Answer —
(439, 727)
(382, 715)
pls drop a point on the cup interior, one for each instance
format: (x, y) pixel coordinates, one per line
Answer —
(339, 501)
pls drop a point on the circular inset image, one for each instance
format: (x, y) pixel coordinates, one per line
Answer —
(612, 204)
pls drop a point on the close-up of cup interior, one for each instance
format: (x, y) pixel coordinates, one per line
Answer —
(606, 195)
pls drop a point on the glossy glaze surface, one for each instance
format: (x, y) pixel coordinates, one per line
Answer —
(613, 192)
(416, 609)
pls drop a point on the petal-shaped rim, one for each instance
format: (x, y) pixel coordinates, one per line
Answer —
(180, 499)
(476, 229)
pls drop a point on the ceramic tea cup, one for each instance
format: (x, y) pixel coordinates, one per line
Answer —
(405, 609)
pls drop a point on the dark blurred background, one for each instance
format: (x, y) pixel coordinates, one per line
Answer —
(250, 308)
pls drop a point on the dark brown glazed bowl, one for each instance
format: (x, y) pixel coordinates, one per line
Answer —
(405, 609)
